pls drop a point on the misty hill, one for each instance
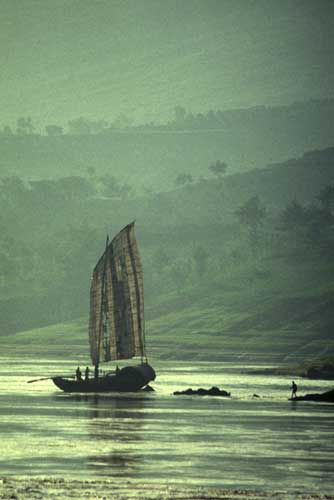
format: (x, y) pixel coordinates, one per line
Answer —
(152, 156)
(190, 213)
(202, 275)
(213, 201)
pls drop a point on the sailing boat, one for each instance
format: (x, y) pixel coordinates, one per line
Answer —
(116, 321)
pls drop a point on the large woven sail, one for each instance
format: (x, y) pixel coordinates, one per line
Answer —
(116, 323)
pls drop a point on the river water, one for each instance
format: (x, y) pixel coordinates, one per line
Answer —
(266, 443)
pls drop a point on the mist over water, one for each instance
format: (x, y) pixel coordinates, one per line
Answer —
(156, 438)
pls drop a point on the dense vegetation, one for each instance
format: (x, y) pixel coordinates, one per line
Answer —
(232, 255)
(247, 254)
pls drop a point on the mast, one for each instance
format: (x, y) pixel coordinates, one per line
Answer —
(104, 320)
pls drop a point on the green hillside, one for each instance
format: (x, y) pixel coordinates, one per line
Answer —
(242, 262)
(287, 316)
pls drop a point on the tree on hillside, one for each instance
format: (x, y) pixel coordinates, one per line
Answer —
(85, 126)
(79, 126)
(218, 168)
(292, 222)
(92, 177)
(252, 215)
(183, 179)
(91, 172)
(53, 130)
(110, 187)
(24, 126)
(16, 260)
(179, 115)
(122, 121)
(45, 192)
(189, 121)
(12, 189)
(6, 131)
(99, 126)
(126, 191)
(75, 187)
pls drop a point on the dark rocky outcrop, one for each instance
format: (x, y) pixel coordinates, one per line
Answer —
(214, 391)
(327, 397)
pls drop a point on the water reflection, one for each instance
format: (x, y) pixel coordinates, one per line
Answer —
(158, 438)
(114, 426)
(102, 406)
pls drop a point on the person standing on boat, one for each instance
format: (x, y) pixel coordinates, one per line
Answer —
(96, 371)
(294, 389)
(87, 373)
(78, 373)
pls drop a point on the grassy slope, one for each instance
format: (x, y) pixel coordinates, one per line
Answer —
(285, 317)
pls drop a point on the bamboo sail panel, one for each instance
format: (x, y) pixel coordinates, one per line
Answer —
(126, 309)
(95, 316)
(120, 269)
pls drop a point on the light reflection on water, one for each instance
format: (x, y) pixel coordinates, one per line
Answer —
(265, 442)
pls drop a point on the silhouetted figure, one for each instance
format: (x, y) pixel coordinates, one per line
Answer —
(87, 373)
(117, 370)
(78, 374)
(294, 389)
(96, 371)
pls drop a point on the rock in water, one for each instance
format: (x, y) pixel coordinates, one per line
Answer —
(214, 391)
(327, 397)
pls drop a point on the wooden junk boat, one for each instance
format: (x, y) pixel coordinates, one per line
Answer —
(116, 321)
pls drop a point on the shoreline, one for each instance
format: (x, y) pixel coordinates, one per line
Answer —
(59, 488)
(290, 372)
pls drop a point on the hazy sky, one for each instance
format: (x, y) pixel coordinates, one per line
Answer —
(60, 59)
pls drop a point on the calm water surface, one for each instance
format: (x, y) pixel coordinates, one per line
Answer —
(242, 442)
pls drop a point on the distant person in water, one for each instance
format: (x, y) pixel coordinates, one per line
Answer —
(294, 389)
(96, 371)
(78, 374)
(87, 373)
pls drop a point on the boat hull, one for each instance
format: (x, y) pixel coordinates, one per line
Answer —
(128, 379)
